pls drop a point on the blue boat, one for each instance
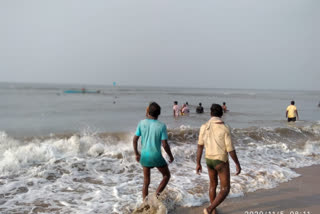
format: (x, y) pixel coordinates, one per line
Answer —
(82, 91)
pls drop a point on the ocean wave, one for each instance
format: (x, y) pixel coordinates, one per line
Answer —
(97, 172)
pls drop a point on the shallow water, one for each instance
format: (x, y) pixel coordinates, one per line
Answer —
(73, 153)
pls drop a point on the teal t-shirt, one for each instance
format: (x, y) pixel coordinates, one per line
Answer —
(152, 132)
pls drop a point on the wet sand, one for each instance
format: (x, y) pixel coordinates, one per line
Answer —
(301, 195)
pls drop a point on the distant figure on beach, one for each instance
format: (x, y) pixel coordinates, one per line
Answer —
(319, 104)
(147, 111)
(153, 134)
(216, 138)
(176, 109)
(224, 107)
(185, 109)
(199, 109)
(292, 112)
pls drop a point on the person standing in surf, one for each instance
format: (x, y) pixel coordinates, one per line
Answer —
(153, 134)
(176, 109)
(199, 109)
(224, 107)
(292, 112)
(147, 110)
(215, 137)
(185, 110)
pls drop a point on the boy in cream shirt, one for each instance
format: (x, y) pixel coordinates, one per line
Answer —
(216, 139)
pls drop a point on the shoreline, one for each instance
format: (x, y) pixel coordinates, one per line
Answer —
(301, 195)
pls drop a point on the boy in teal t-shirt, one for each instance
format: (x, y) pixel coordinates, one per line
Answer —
(153, 134)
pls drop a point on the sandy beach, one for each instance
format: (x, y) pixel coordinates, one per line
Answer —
(300, 195)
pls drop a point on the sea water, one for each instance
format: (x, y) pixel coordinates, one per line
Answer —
(72, 153)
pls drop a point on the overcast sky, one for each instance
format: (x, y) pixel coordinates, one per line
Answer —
(269, 44)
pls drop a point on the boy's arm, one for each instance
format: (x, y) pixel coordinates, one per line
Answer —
(297, 114)
(234, 157)
(286, 113)
(199, 155)
(135, 148)
(166, 147)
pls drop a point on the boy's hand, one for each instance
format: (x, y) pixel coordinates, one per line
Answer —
(238, 167)
(138, 158)
(171, 159)
(199, 169)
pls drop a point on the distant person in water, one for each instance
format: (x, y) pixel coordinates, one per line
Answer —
(224, 107)
(153, 134)
(292, 112)
(199, 109)
(176, 109)
(185, 109)
(147, 110)
(215, 137)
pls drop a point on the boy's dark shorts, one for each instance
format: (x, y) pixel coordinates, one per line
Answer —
(293, 119)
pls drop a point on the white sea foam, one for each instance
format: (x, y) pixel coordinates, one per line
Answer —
(93, 173)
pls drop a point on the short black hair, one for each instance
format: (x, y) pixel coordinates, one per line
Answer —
(216, 110)
(154, 109)
(200, 104)
(175, 102)
(224, 103)
(292, 102)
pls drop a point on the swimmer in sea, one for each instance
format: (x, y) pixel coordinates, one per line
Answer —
(292, 112)
(185, 109)
(176, 109)
(224, 107)
(199, 109)
(153, 134)
(215, 137)
(147, 110)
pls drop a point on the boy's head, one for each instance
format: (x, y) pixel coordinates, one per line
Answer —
(292, 102)
(224, 103)
(154, 109)
(175, 102)
(200, 104)
(216, 110)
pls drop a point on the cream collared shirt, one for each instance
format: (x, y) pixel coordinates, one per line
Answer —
(216, 139)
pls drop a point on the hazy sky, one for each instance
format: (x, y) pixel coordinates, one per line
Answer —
(271, 44)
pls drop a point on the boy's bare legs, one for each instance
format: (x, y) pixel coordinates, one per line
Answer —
(213, 176)
(224, 176)
(166, 177)
(146, 181)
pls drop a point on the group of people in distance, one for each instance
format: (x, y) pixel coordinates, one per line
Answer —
(214, 136)
(184, 110)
